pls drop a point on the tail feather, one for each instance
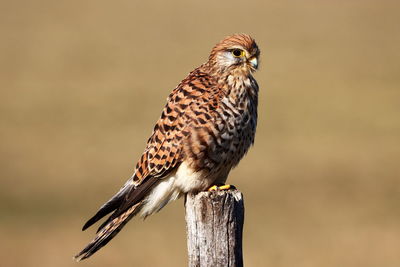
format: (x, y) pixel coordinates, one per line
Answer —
(108, 232)
(124, 205)
(128, 198)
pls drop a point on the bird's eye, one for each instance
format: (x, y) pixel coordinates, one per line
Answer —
(238, 53)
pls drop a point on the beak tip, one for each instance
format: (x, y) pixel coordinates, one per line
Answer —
(254, 63)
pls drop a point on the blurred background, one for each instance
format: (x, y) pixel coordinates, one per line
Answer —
(83, 82)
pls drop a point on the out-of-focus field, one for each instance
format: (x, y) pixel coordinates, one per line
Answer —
(83, 82)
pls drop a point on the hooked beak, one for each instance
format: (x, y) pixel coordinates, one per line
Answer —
(253, 62)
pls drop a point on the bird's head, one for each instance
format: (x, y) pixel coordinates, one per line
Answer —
(238, 52)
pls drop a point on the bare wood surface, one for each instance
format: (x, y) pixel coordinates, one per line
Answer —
(214, 223)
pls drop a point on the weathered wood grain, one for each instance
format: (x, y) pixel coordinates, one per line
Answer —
(214, 223)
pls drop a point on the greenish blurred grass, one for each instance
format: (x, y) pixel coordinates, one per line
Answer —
(83, 83)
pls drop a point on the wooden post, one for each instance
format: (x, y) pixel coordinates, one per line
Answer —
(214, 223)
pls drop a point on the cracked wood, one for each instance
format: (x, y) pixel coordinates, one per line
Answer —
(214, 222)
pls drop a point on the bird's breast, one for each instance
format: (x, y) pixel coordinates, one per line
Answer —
(218, 145)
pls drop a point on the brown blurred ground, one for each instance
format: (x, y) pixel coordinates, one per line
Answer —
(83, 82)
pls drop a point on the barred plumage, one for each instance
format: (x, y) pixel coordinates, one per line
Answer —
(206, 127)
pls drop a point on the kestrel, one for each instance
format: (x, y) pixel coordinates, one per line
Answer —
(206, 127)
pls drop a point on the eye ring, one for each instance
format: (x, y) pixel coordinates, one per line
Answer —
(238, 53)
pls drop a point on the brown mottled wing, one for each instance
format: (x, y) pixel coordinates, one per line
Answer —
(164, 149)
(185, 109)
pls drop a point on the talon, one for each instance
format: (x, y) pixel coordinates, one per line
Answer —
(221, 187)
(213, 188)
(224, 187)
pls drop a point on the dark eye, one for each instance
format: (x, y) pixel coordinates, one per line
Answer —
(238, 53)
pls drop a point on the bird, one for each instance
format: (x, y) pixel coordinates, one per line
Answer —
(206, 127)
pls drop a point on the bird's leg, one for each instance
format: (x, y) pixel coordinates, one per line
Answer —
(221, 187)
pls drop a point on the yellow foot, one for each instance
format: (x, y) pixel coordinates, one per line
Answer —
(221, 187)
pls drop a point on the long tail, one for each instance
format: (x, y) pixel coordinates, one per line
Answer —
(124, 205)
(108, 232)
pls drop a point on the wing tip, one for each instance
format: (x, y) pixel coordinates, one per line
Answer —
(88, 224)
